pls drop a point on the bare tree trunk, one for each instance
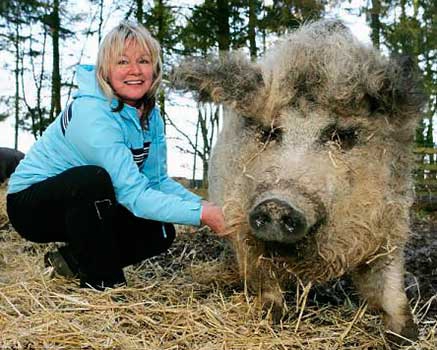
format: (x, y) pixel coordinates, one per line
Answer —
(375, 23)
(55, 107)
(40, 85)
(207, 121)
(160, 36)
(82, 51)
(17, 85)
(196, 145)
(139, 15)
(30, 109)
(99, 30)
(223, 35)
(205, 173)
(252, 30)
(37, 112)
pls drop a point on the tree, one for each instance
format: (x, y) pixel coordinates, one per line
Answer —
(219, 26)
(252, 27)
(16, 43)
(209, 29)
(53, 22)
(161, 21)
(223, 35)
(284, 15)
(12, 12)
(139, 13)
(408, 28)
(215, 26)
(375, 23)
(38, 112)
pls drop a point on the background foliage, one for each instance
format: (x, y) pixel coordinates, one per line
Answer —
(34, 33)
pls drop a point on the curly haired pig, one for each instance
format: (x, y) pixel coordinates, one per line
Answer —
(313, 164)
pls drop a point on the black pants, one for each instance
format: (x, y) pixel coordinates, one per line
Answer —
(78, 206)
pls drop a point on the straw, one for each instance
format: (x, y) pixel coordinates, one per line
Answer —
(189, 298)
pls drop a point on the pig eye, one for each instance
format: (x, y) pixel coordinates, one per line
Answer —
(346, 138)
(263, 134)
(269, 135)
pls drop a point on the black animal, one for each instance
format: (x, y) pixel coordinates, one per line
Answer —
(9, 159)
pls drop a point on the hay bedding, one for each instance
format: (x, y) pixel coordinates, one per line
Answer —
(188, 298)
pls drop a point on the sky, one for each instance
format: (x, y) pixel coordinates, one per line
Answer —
(180, 109)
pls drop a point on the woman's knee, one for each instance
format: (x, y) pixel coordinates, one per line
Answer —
(93, 182)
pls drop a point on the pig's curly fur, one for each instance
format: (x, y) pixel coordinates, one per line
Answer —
(320, 64)
(316, 77)
(325, 64)
(333, 251)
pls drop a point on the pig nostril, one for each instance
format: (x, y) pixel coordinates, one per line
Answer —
(258, 220)
(289, 224)
(294, 225)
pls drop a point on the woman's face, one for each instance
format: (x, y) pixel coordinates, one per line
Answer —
(131, 76)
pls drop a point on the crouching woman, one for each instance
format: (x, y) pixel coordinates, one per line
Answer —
(97, 178)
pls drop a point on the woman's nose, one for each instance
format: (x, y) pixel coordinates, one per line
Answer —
(135, 68)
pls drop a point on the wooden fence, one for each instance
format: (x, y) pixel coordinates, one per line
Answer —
(425, 178)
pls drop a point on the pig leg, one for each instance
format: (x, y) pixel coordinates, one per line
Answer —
(261, 278)
(382, 284)
(262, 282)
(272, 299)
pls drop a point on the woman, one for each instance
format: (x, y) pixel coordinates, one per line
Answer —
(97, 178)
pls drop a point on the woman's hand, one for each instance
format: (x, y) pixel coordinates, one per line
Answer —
(212, 216)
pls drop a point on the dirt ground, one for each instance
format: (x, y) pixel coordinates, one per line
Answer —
(421, 260)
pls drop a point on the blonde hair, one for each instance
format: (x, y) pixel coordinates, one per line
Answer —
(112, 47)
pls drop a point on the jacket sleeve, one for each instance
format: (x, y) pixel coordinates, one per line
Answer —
(165, 183)
(98, 138)
(168, 185)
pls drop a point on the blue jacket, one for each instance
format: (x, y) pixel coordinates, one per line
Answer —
(91, 134)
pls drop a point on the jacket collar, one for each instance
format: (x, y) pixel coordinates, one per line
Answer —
(88, 86)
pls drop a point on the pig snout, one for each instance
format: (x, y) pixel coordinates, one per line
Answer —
(277, 220)
(286, 218)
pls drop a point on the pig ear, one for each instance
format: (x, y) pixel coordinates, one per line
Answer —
(399, 91)
(231, 80)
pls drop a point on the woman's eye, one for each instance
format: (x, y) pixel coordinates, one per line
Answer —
(345, 138)
(144, 61)
(122, 61)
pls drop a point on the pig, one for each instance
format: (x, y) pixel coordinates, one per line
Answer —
(313, 164)
(9, 159)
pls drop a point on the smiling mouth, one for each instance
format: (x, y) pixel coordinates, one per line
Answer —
(134, 82)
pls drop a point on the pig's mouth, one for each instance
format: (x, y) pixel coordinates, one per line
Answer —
(296, 249)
